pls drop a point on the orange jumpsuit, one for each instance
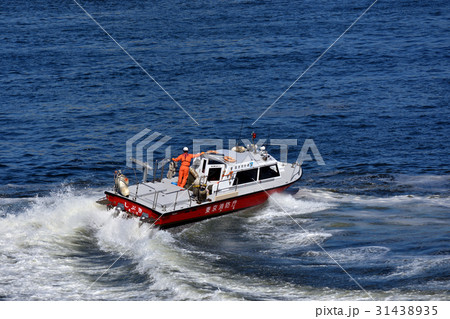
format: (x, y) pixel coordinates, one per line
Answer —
(183, 174)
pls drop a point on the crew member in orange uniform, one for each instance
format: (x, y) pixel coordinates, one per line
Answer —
(185, 159)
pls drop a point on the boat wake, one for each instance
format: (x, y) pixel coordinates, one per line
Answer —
(64, 247)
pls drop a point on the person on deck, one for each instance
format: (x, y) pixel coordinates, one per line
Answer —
(185, 159)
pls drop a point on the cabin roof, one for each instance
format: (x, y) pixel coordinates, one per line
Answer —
(241, 158)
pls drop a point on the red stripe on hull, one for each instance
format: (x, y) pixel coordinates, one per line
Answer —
(192, 214)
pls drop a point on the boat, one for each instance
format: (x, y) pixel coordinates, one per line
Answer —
(219, 182)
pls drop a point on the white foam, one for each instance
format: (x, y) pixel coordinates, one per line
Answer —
(280, 224)
(330, 197)
(418, 265)
(37, 244)
(33, 242)
(365, 253)
(301, 238)
(423, 180)
(285, 205)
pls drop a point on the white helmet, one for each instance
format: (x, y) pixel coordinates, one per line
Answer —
(185, 149)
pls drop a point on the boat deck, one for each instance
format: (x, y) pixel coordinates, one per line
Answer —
(162, 196)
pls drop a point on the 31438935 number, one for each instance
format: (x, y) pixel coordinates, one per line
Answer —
(407, 310)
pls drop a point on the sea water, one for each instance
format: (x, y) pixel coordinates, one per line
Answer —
(373, 222)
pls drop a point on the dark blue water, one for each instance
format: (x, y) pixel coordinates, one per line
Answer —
(376, 106)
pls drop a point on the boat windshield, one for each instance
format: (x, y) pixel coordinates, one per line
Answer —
(246, 176)
(266, 172)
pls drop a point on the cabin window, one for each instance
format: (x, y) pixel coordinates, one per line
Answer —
(266, 172)
(247, 176)
(214, 162)
(203, 166)
(214, 173)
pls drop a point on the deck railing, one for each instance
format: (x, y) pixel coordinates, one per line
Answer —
(156, 193)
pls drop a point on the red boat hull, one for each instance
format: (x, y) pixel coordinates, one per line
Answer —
(192, 214)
